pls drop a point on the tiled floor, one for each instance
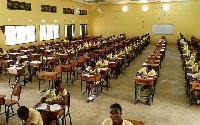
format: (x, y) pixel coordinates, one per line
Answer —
(170, 106)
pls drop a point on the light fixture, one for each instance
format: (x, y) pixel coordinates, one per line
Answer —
(165, 7)
(144, 8)
(99, 9)
(86, 21)
(43, 20)
(77, 8)
(30, 20)
(124, 8)
(56, 21)
(72, 20)
(9, 20)
(162, 9)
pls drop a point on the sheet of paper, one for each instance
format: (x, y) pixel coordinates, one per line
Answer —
(42, 106)
(55, 107)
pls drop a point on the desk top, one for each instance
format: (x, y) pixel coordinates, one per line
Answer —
(145, 64)
(2, 96)
(145, 81)
(44, 73)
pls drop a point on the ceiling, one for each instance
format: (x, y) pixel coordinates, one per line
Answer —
(125, 1)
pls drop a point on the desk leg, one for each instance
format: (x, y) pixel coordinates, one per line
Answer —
(67, 78)
(39, 84)
(81, 88)
(9, 78)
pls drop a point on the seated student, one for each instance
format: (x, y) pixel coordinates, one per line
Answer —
(3, 53)
(102, 63)
(91, 85)
(29, 116)
(56, 96)
(149, 72)
(115, 116)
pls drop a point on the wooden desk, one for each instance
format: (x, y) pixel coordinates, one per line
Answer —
(52, 115)
(17, 71)
(114, 68)
(104, 72)
(36, 56)
(68, 69)
(88, 78)
(50, 76)
(34, 67)
(64, 58)
(7, 63)
(194, 85)
(144, 81)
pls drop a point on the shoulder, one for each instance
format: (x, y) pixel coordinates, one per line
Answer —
(126, 122)
(107, 121)
(65, 93)
(33, 112)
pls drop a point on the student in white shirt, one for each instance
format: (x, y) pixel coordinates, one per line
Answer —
(116, 116)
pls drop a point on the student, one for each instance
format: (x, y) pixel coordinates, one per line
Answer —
(56, 96)
(91, 85)
(115, 116)
(102, 63)
(148, 72)
(3, 53)
(29, 116)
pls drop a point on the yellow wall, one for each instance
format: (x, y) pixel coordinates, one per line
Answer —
(183, 15)
(21, 17)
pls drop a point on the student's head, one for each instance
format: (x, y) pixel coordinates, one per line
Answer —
(149, 67)
(1, 50)
(23, 112)
(115, 113)
(59, 85)
(92, 64)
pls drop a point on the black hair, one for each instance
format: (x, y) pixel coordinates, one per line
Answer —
(92, 64)
(149, 67)
(57, 83)
(22, 111)
(116, 105)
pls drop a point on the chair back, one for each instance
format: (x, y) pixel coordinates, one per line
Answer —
(81, 58)
(32, 57)
(58, 69)
(2, 101)
(74, 63)
(43, 116)
(16, 90)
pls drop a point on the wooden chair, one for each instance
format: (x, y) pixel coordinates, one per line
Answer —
(65, 113)
(58, 70)
(74, 64)
(81, 62)
(9, 103)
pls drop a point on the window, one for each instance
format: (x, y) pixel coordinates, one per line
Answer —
(83, 29)
(20, 34)
(69, 30)
(49, 32)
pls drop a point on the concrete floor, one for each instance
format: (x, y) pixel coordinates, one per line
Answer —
(170, 106)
